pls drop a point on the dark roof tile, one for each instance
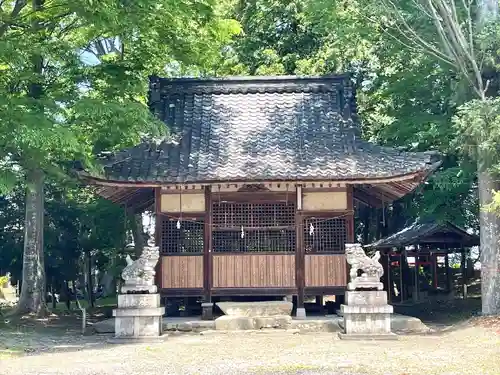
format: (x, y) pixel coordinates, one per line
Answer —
(258, 129)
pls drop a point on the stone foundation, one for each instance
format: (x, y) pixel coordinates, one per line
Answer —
(138, 316)
(242, 323)
(253, 309)
(367, 315)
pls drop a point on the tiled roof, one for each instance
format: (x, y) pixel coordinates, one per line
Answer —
(281, 128)
(428, 232)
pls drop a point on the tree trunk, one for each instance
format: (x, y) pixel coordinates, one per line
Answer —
(32, 298)
(490, 246)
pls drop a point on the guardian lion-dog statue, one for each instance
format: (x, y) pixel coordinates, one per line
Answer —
(139, 274)
(371, 269)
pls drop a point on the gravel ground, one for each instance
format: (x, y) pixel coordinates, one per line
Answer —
(470, 350)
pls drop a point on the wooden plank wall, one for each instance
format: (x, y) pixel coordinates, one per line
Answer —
(325, 270)
(254, 271)
(182, 272)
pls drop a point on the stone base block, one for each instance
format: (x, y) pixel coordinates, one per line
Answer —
(234, 323)
(360, 336)
(363, 309)
(277, 321)
(367, 297)
(138, 316)
(243, 323)
(207, 311)
(367, 320)
(139, 289)
(138, 301)
(300, 313)
(254, 309)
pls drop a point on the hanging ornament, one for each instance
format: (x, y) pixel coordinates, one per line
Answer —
(311, 229)
(178, 224)
(242, 232)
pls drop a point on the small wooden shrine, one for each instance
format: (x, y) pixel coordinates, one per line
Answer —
(254, 189)
(429, 243)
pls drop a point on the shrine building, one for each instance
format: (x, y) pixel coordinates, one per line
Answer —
(255, 189)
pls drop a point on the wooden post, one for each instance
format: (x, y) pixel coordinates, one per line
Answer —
(447, 268)
(388, 277)
(207, 305)
(299, 255)
(416, 279)
(401, 287)
(463, 267)
(434, 271)
(158, 221)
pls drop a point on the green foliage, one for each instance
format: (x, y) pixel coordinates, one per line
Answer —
(74, 74)
(405, 97)
(477, 126)
(3, 281)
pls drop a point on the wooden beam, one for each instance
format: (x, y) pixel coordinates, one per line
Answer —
(207, 247)
(299, 250)
(158, 219)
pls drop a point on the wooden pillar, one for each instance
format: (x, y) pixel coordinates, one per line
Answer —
(299, 254)
(463, 268)
(434, 271)
(158, 239)
(416, 279)
(389, 276)
(207, 305)
(401, 286)
(447, 268)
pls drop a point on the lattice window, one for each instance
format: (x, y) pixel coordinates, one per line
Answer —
(186, 239)
(253, 215)
(326, 235)
(253, 227)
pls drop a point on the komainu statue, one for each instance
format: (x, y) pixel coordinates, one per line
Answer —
(371, 269)
(139, 275)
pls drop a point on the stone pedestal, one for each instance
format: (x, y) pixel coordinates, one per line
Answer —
(138, 317)
(207, 311)
(367, 315)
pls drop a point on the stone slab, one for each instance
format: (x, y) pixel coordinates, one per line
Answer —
(367, 297)
(350, 309)
(139, 301)
(138, 340)
(277, 321)
(188, 326)
(365, 337)
(253, 309)
(234, 323)
(152, 311)
(320, 325)
(399, 323)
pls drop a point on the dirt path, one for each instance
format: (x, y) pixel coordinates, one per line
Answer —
(471, 350)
